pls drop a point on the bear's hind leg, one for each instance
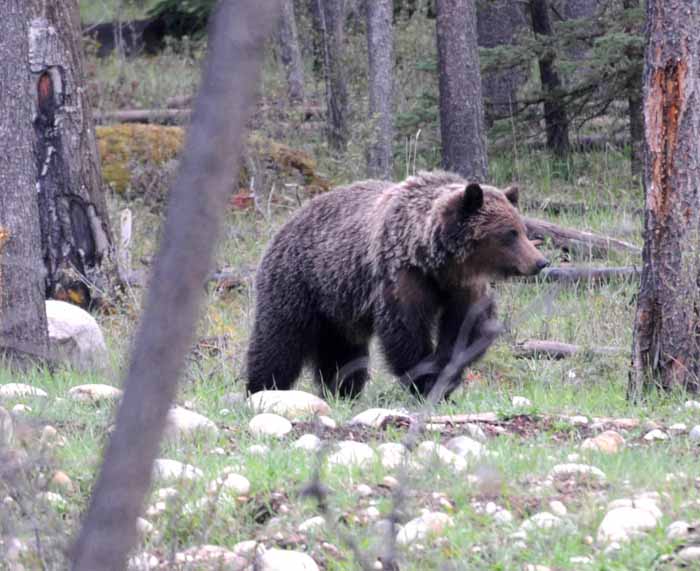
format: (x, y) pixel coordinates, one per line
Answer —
(340, 366)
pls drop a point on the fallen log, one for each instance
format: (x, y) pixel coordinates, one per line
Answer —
(491, 418)
(535, 348)
(159, 116)
(556, 207)
(589, 276)
(577, 241)
(178, 101)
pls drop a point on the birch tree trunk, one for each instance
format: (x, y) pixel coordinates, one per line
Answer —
(290, 52)
(75, 232)
(461, 104)
(380, 48)
(556, 121)
(23, 330)
(665, 349)
(331, 15)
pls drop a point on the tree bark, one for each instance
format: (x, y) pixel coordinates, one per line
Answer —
(555, 117)
(380, 48)
(209, 166)
(23, 330)
(461, 103)
(290, 52)
(76, 237)
(331, 22)
(498, 24)
(635, 111)
(665, 349)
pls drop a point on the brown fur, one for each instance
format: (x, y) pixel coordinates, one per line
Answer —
(398, 260)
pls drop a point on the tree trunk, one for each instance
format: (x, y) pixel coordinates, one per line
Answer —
(76, 237)
(461, 104)
(380, 48)
(665, 349)
(498, 24)
(23, 328)
(290, 53)
(331, 16)
(635, 111)
(556, 121)
(575, 9)
(197, 202)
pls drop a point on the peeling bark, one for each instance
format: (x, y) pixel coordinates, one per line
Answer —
(76, 237)
(23, 330)
(665, 350)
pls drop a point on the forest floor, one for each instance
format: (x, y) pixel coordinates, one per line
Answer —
(490, 496)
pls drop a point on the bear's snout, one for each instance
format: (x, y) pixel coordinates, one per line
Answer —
(541, 264)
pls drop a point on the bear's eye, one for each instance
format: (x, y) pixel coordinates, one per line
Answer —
(510, 237)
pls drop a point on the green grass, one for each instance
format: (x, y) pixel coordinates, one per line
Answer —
(97, 11)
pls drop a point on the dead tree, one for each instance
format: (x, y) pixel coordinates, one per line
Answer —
(22, 311)
(461, 103)
(290, 54)
(75, 231)
(665, 348)
(209, 166)
(380, 48)
(331, 21)
(555, 117)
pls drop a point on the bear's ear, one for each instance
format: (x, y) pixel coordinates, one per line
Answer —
(473, 198)
(512, 193)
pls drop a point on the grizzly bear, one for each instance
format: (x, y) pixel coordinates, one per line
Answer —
(404, 262)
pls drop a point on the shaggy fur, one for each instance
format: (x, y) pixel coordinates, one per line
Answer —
(402, 261)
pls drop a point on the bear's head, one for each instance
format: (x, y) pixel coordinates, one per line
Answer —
(485, 234)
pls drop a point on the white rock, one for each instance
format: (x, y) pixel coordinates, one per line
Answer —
(580, 560)
(692, 405)
(392, 454)
(655, 434)
(558, 508)
(283, 560)
(290, 404)
(542, 520)
(308, 442)
(95, 393)
(352, 454)
(608, 442)
(258, 450)
(165, 470)
(144, 526)
(268, 424)
(503, 517)
(678, 428)
(166, 494)
(75, 336)
(182, 424)
(376, 417)
(429, 524)
(20, 409)
(578, 471)
(231, 483)
(465, 447)
(246, 548)
(521, 402)
(7, 428)
(573, 458)
(327, 422)
(313, 524)
(363, 490)
(694, 434)
(625, 523)
(578, 420)
(475, 431)
(678, 530)
(209, 558)
(429, 451)
(53, 498)
(648, 504)
(690, 553)
(17, 390)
